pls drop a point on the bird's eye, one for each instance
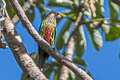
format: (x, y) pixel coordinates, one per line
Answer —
(58, 14)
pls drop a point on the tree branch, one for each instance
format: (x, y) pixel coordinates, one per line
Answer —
(25, 7)
(14, 41)
(64, 72)
(44, 45)
(70, 48)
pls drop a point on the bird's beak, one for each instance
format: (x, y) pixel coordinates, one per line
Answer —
(58, 16)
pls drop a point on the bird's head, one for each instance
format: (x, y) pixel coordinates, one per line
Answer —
(55, 15)
(51, 19)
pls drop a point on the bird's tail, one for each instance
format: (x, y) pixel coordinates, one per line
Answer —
(42, 58)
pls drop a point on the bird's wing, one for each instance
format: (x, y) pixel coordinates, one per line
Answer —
(41, 29)
(53, 37)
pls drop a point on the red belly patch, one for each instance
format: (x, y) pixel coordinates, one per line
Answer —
(47, 33)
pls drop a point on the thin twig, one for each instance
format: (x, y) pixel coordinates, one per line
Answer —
(98, 20)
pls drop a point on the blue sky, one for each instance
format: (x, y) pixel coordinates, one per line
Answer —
(103, 64)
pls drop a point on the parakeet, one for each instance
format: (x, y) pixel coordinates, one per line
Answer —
(47, 31)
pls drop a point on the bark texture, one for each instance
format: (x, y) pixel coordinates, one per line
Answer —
(14, 41)
(45, 46)
(25, 7)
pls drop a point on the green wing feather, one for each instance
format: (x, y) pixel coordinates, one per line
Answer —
(42, 54)
(52, 41)
(41, 29)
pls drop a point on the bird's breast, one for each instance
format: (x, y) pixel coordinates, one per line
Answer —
(47, 33)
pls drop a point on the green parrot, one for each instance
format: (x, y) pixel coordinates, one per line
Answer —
(47, 31)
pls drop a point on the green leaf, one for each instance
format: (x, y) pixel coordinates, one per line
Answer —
(105, 27)
(71, 76)
(35, 57)
(116, 21)
(79, 61)
(10, 9)
(57, 71)
(80, 44)
(97, 39)
(114, 10)
(77, 3)
(73, 16)
(41, 1)
(55, 76)
(49, 68)
(30, 13)
(49, 71)
(3, 45)
(63, 35)
(99, 8)
(42, 11)
(52, 3)
(52, 67)
(23, 77)
(22, 2)
(113, 34)
(95, 36)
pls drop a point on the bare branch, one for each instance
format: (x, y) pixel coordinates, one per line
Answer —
(20, 53)
(44, 45)
(25, 7)
(70, 48)
(64, 72)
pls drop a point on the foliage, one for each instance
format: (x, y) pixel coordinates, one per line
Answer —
(64, 35)
(114, 30)
(92, 19)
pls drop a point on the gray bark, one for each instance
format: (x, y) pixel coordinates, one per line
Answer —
(15, 43)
